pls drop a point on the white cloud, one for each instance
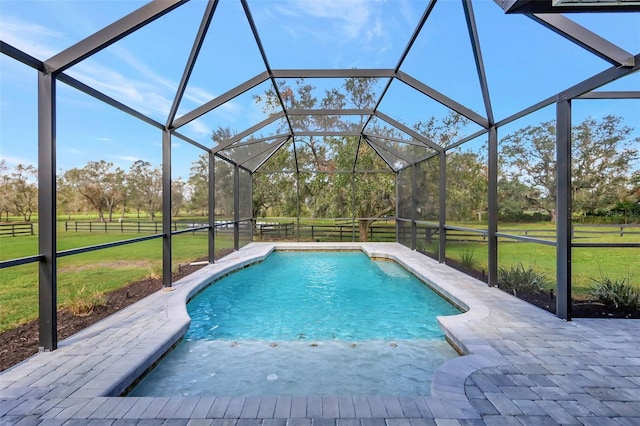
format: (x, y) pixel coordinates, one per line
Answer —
(28, 36)
(199, 127)
(138, 94)
(351, 18)
(129, 158)
(14, 161)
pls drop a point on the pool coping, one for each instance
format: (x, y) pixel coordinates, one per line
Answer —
(85, 376)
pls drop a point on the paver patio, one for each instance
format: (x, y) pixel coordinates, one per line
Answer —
(523, 366)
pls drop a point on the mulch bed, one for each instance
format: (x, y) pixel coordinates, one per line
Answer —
(581, 308)
(21, 342)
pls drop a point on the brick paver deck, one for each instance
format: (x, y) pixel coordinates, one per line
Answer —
(523, 366)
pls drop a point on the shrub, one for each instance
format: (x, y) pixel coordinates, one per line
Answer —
(617, 293)
(83, 304)
(467, 259)
(520, 280)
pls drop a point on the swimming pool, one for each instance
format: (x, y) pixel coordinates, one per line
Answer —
(308, 323)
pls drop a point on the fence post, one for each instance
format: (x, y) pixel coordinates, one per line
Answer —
(105, 227)
(89, 226)
(31, 226)
(621, 230)
(312, 236)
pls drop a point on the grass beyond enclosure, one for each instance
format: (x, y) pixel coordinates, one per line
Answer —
(84, 277)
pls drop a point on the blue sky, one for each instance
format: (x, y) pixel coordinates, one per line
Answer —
(525, 64)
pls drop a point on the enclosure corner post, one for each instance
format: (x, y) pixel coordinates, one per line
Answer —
(443, 207)
(493, 208)
(236, 207)
(166, 208)
(563, 208)
(212, 208)
(47, 271)
(414, 204)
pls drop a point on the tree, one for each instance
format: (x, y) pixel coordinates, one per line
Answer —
(5, 190)
(324, 189)
(101, 185)
(24, 190)
(602, 157)
(69, 200)
(144, 187)
(177, 196)
(198, 184)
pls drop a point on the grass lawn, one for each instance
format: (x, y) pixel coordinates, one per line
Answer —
(588, 264)
(85, 274)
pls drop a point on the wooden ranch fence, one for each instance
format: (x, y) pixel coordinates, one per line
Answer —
(16, 229)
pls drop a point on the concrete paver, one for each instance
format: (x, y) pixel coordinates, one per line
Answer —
(523, 365)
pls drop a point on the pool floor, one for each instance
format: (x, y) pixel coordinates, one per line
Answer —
(294, 368)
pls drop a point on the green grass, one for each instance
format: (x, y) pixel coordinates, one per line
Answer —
(98, 271)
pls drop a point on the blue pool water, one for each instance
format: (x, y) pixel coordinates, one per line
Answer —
(301, 323)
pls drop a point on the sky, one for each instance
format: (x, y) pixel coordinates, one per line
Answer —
(525, 63)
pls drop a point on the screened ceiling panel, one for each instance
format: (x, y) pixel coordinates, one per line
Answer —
(327, 123)
(445, 32)
(422, 114)
(331, 93)
(374, 158)
(241, 153)
(139, 77)
(235, 117)
(550, 62)
(263, 130)
(334, 34)
(229, 56)
(409, 152)
(282, 161)
(392, 158)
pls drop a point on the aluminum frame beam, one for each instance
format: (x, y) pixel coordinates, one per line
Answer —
(392, 139)
(295, 111)
(107, 99)
(225, 97)
(477, 55)
(20, 56)
(334, 73)
(552, 6)
(193, 55)
(584, 38)
(630, 94)
(110, 34)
